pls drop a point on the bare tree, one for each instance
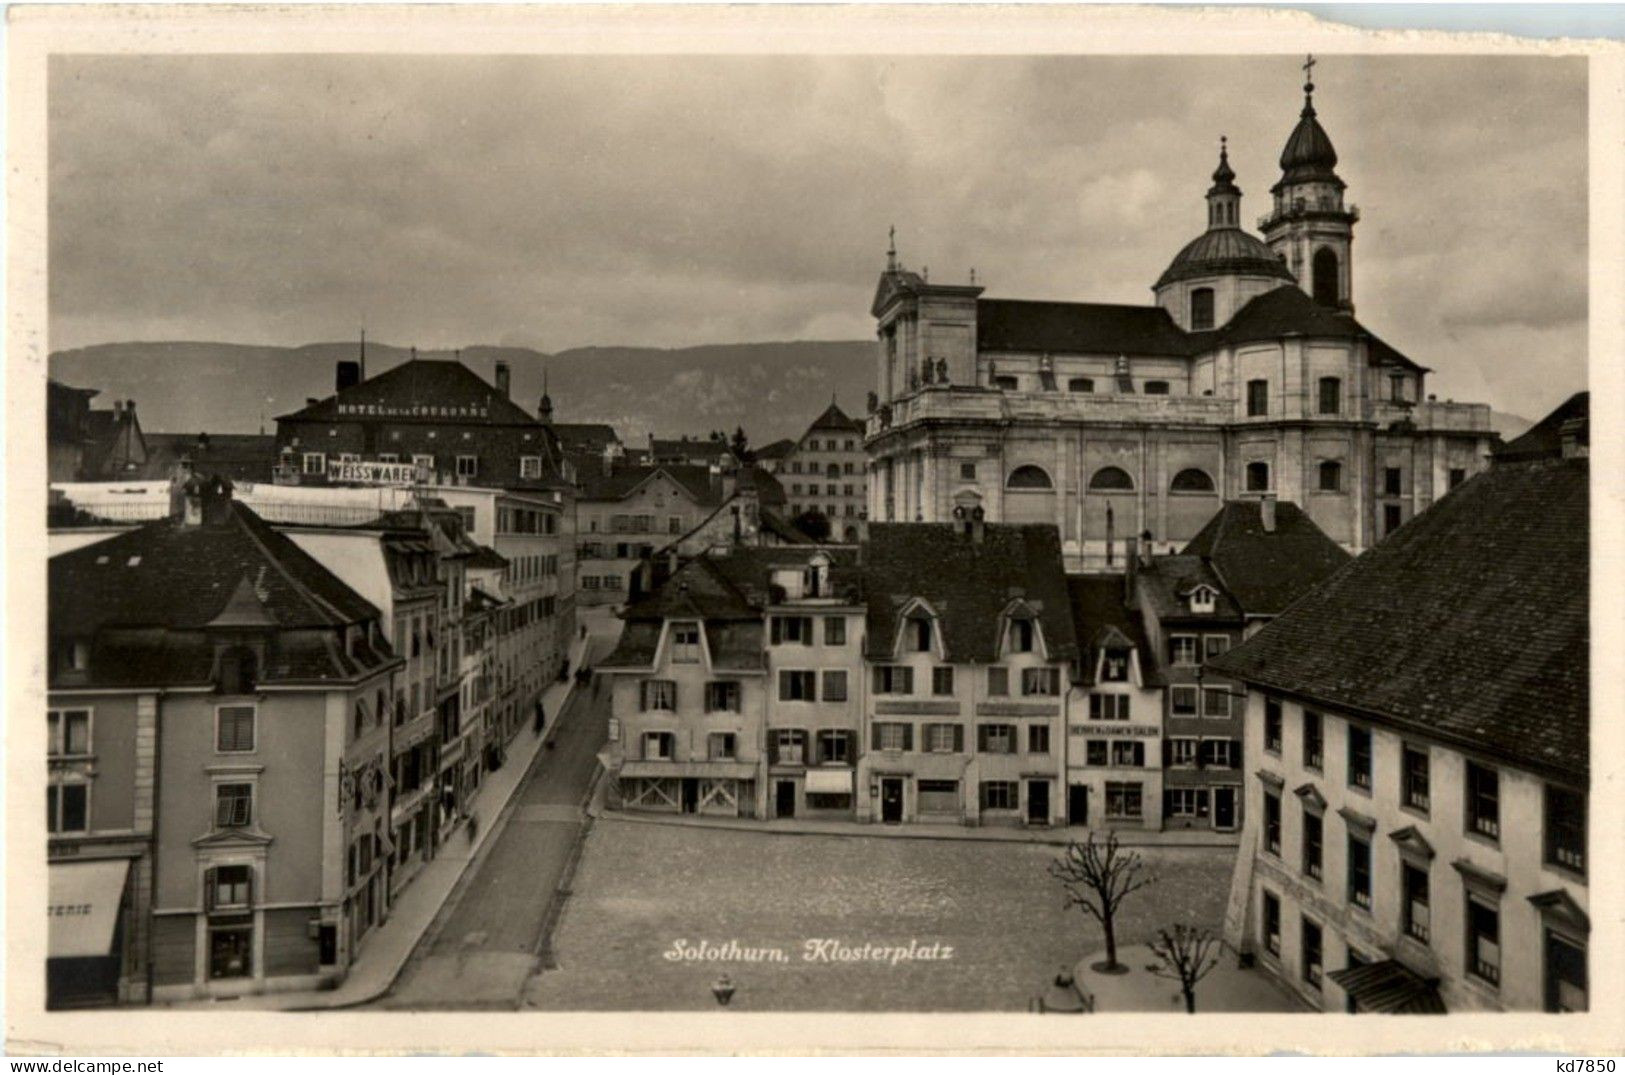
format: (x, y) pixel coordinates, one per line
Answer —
(1098, 877)
(1185, 956)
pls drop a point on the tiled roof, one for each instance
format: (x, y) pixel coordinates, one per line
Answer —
(1165, 582)
(242, 457)
(488, 558)
(1266, 570)
(750, 570)
(968, 584)
(139, 594)
(776, 450)
(426, 381)
(622, 481)
(1098, 612)
(836, 419)
(592, 436)
(1093, 327)
(185, 575)
(1286, 311)
(1545, 438)
(1469, 623)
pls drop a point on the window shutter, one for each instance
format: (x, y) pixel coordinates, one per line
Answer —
(643, 696)
(981, 738)
(1167, 753)
(879, 679)
(673, 696)
(908, 737)
(1167, 804)
(209, 898)
(248, 887)
(959, 738)
(807, 631)
(776, 630)
(874, 737)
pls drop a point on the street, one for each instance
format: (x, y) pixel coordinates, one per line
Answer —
(482, 948)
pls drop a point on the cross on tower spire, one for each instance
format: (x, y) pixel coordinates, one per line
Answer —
(891, 249)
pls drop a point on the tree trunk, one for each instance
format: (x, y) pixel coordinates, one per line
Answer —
(1190, 1000)
(1111, 943)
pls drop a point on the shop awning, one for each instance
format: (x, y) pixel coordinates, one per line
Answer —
(85, 898)
(1390, 986)
(829, 781)
(711, 770)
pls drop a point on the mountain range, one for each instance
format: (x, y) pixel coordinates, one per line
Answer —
(773, 390)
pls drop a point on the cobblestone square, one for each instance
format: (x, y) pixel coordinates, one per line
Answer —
(642, 888)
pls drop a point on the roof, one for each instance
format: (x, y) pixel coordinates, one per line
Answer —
(422, 382)
(685, 448)
(242, 457)
(1224, 250)
(1469, 623)
(1390, 986)
(1096, 327)
(1287, 311)
(1545, 438)
(1100, 616)
(1308, 153)
(1164, 582)
(836, 419)
(146, 597)
(487, 558)
(622, 481)
(589, 435)
(776, 450)
(968, 584)
(1266, 570)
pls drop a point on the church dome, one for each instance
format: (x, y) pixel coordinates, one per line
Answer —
(1224, 251)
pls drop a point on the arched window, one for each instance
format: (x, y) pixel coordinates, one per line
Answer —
(1029, 477)
(1201, 308)
(1331, 476)
(1192, 480)
(1258, 477)
(1326, 289)
(1111, 480)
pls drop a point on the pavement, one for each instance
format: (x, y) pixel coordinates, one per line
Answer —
(493, 931)
(388, 947)
(1057, 837)
(1228, 987)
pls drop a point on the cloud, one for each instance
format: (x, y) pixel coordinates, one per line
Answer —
(567, 201)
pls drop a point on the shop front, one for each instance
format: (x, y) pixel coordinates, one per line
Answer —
(86, 915)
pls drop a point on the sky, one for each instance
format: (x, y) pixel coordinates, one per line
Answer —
(557, 202)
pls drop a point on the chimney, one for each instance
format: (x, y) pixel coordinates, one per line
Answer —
(347, 375)
(609, 461)
(202, 442)
(502, 378)
(1131, 564)
(1111, 539)
(1266, 513)
(118, 410)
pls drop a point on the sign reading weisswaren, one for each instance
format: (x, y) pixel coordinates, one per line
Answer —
(350, 470)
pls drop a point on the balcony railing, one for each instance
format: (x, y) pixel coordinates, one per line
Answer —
(958, 403)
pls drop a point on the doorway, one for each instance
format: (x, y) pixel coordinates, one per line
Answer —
(784, 799)
(691, 795)
(1224, 808)
(1077, 804)
(891, 800)
(1038, 802)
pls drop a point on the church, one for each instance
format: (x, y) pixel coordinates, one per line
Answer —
(1248, 376)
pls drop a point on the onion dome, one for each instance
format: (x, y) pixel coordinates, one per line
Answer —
(1308, 154)
(1228, 251)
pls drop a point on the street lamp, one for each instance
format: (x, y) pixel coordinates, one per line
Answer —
(723, 989)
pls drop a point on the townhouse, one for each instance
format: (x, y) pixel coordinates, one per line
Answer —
(1114, 751)
(219, 711)
(1418, 763)
(970, 642)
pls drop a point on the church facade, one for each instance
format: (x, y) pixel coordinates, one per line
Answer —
(1248, 376)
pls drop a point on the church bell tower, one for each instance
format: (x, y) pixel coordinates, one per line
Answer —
(1310, 228)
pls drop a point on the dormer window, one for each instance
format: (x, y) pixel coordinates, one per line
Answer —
(1021, 635)
(1114, 666)
(1203, 598)
(239, 670)
(919, 634)
(685, 643)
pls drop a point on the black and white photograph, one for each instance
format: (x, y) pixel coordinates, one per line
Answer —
(762, 529)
